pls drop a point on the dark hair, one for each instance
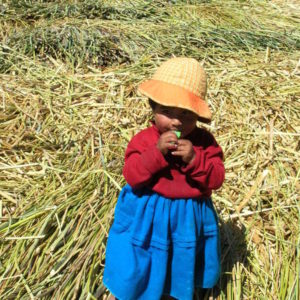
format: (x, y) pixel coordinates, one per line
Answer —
(152, 103)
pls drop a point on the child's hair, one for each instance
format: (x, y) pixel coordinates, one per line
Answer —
(152, 103)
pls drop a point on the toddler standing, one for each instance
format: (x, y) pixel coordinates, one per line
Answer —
(165, 239)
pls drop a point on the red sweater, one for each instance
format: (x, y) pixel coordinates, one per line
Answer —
(168, 175)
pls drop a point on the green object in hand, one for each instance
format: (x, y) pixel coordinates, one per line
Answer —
(178, 134)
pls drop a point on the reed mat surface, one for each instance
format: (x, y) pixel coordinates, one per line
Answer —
(68, 107)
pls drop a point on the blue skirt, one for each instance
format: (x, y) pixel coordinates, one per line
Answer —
(158, 246)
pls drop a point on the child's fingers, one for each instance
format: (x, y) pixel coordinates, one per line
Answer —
(178, 153)
(181, 150)
(172, 143)
(169, 137)
(185, 145)
(182, 142)
(172, 140)
(181, 147)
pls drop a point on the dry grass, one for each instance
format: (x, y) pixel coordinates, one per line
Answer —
(68, 107)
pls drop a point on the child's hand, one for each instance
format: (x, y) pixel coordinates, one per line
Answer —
(167, 141)
(185, 150)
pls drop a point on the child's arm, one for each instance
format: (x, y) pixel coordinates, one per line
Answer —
(142, 162)
(207, 167)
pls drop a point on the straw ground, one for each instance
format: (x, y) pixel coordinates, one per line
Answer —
(68, 107)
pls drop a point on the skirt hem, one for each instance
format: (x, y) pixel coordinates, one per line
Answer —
(108, 288)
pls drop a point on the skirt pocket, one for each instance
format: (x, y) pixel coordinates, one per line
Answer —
(121, 222)
(125, 210)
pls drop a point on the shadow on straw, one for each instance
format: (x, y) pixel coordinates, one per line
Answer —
(234, 253)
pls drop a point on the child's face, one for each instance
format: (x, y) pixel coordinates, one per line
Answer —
(176, 119)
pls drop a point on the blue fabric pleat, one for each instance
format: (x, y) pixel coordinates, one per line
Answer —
(158, 246)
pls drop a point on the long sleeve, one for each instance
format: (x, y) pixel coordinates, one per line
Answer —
(146, 166)
(207, 169)
(142, 160)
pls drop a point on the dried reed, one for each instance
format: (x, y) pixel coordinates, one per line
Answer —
(68, 107)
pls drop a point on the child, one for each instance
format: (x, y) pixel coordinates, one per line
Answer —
(165, 239)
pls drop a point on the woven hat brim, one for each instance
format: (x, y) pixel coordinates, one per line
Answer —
(172, 95)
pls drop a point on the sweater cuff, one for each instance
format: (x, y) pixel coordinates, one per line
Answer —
(153, 160)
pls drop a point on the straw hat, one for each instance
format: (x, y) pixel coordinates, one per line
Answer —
(179, 82)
